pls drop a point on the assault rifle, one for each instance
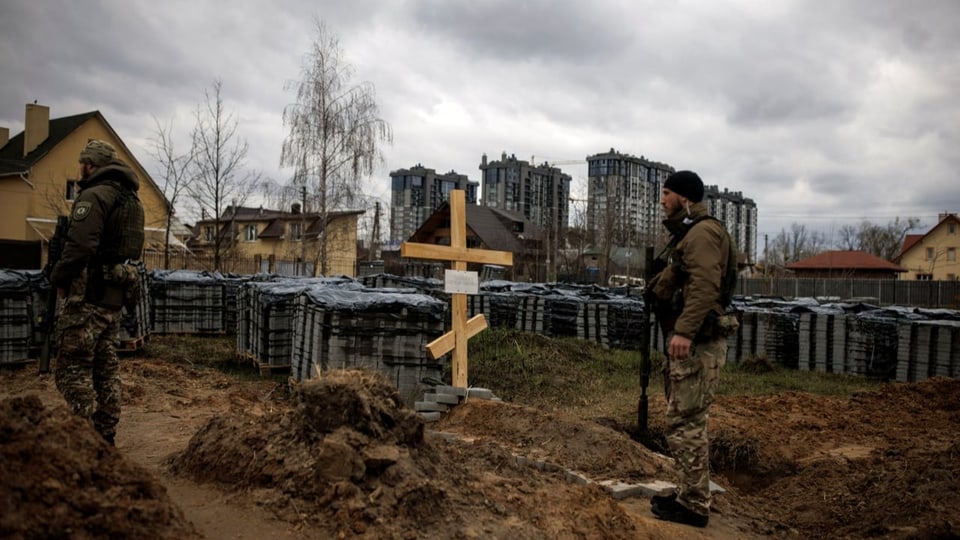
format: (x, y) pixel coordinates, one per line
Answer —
(48, 321)
(649, 271)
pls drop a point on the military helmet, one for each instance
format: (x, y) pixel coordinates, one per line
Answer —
(98, 153)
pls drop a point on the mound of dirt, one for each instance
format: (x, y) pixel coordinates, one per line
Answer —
(349, 459)
(883, 463)
(61, 480)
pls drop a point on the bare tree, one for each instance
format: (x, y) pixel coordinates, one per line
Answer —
(848, 238)
(885, 241)
(174, 170)
(217, 175)
(335, 132)
(796, 244)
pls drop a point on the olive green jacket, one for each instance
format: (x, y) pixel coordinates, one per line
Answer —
(700, 260)
(89, 219)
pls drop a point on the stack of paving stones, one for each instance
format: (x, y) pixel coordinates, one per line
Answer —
(187, 302)
(384, 330)
(39, 288)
(592, 321)
(781, 337)
(563, 312)
(135, 321)
(423, 285)
(231, 287)
(441, 398)
(928, 349)
(266, 309)
(16, 316)
(624, 323)
(872, 342)
(822, 337)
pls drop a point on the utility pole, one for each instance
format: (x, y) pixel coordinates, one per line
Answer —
(303, 230)
(374, 233)
(766, 256)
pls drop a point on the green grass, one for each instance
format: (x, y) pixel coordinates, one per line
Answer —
(561, 373)
(541, 371)
(745, 379)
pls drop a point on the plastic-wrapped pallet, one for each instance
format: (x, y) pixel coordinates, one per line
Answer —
(266, 319)
(563, 310)
(822, 340)
(16, 316)
(382, 330)
(624, 321)
(186, 302)
(872, 344)
(928, 349)
(593, 321)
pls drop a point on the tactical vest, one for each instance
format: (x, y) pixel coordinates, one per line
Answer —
(728, 284)
(123, 234)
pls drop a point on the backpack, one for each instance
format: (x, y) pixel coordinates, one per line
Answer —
(123, 237)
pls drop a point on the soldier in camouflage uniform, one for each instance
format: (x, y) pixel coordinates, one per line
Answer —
(689, 296)
(95, 277)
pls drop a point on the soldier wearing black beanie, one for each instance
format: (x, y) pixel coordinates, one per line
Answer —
(686, 184)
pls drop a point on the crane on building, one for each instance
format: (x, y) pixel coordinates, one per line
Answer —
(557, 162)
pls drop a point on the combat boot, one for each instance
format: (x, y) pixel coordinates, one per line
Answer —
(671, 510)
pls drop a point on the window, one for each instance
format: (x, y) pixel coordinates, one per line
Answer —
(250, 233)
(295, 233)
(951, 277)
(924, 277)
(72, 189)
(208, 234)
(929, 256)
(952, 228)
(951, 254)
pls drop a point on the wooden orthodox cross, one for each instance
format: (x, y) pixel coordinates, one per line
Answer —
(458, 255)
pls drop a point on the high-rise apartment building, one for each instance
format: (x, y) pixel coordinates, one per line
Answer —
(418, 191)
(739, 214)
(623, 205)
(540, 193)
(623, 198)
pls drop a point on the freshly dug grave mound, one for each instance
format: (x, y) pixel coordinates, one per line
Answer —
(61, 480)
(881, 464)
(349, 459)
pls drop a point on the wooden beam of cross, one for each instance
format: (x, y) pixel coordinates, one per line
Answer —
(458, 255)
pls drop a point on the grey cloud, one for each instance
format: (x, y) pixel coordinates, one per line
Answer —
(521, 31)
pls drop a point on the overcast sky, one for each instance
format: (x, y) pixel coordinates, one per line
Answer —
(823, 112)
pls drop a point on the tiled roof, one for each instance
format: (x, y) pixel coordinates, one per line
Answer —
(912, 240)
(909, 241)
(13, 161)
(845, 260)
(494, 227)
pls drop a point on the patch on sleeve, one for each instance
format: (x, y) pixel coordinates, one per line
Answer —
(81, 210)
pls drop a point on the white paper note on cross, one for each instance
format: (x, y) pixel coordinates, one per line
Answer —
(458, 255)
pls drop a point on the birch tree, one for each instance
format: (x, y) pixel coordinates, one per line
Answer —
(334, 134)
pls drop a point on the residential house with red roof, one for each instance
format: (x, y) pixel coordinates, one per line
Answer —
(845, 264)
(933, 256)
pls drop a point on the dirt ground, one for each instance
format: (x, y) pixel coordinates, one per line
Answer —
(200, 454)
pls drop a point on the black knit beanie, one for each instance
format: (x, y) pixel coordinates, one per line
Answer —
(686, 184)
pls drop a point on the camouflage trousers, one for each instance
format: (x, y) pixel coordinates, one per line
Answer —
(87, 369)
(690, 385)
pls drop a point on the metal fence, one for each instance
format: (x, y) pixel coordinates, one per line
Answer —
(932, 294)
